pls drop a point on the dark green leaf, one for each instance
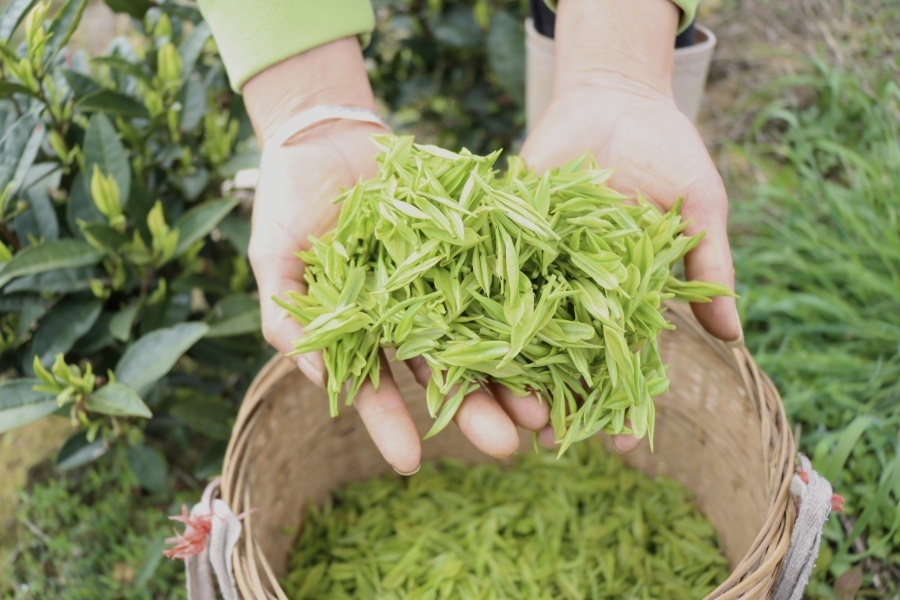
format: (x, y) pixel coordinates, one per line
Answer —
(196, 223)
(213, 418)
(8, 88)
(457, 27)
(78, 452)
(81, 84)
(19, 147)
(29, 315)
(133, 8)
(210, 463)
(152, 356)
(118, 400)
(103, 237)
(235, 315)
(47, 173)
(232, 354)
(121, 324)
(30, 307)
(238, 162)
(60, 281)
(81, 207)
(110, 102)
(149, 466)
(506, 54)
(191, 48)
(39, 219)
(57, 254)
(15, 302)
(63, 326)
(20, 404)
(117, 63)
(103, 148)
(192, 184)
(97, 337)
(63, 26)
(236, 230)
(193, 104)
(11, 17)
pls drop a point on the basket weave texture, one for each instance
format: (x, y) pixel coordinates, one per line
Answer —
(721, 431)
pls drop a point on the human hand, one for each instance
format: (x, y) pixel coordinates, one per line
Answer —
(294, 200)
(613, 98)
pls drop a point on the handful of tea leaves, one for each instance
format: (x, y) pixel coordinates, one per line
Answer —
(550, 283)
(582, 526)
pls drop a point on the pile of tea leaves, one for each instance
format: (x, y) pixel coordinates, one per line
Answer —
(553, 284)
(581, 526)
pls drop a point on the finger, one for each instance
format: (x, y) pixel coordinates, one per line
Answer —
(389, 423)
(711, 260)
(528, 412)
(625, 442)
(275, 278)
(547, 438)
(480, 417)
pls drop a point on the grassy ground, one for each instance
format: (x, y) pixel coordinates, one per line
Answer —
(91, 535)
(812, 161)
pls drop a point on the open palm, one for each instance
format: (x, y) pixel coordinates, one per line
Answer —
(293, 201)
(657, 152)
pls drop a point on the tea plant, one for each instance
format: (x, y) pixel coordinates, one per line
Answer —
(452, 71)
(119, 250)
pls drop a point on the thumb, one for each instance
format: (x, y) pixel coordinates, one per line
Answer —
(711, 260)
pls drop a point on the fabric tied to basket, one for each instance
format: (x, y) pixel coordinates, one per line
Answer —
(815, 501)
(211, 532)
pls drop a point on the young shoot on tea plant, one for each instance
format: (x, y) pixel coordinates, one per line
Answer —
(554, 284)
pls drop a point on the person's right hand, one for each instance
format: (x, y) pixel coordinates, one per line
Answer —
(294, 200)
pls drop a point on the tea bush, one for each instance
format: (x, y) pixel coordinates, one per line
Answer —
(125, 293)
(452, 71)
(125, 289)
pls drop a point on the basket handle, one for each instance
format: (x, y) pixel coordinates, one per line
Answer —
(815, 501)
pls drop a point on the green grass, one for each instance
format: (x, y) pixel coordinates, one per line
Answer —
(92, 535)
(817, 247)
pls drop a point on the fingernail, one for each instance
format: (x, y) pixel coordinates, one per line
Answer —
(738, 343)
(311, 372)
(616, 445)
(413, 472)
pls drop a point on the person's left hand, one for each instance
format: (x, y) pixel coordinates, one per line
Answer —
(655, 151)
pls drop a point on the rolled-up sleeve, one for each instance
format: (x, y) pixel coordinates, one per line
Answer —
(255, 34)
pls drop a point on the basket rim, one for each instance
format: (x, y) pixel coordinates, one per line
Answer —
(752, 577)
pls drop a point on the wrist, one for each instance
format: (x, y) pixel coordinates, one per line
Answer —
(620, 44)
(332, 74)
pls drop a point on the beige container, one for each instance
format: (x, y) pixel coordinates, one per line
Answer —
(688, 81)
(721, 431)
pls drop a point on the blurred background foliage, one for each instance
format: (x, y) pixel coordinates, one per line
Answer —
(452, 71)
(141, 273)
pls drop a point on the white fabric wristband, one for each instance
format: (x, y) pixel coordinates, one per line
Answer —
(316, 115)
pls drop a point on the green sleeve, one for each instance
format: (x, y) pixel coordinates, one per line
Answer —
(688, 11)
(255, 34)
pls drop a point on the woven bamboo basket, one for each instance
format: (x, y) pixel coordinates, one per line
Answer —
(721, 431)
